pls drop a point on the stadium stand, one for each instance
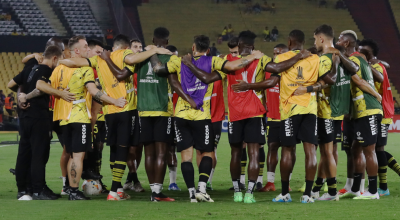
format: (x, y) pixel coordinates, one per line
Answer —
(26, 13)
(10, 66)
(395, 5)
(77, 16)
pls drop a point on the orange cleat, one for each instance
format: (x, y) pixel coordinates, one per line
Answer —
(113, 196)
(122, 195)
(268, 187)
(342, 191)
(160, 198)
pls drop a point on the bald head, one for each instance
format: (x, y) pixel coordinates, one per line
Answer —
(54, 41)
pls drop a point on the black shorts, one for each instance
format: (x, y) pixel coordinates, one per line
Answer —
(249, 130)
(156, 129)
(217, 127)
(273, 128)
(198, 134)
(326, 133)
(382, 134)
(77, 137)
(123, 128)
(348, 134)
(99, 132)
(299, 128)
(366, 129)
(337, 128)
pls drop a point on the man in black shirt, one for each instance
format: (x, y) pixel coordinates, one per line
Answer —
(35, 125)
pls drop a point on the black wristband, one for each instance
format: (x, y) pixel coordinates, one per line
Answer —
(310, 88)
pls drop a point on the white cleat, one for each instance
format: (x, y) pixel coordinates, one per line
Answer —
(192, 194)
(25, 198)
(368, 195)
(314, 195)
(306, 199)
(327, 197)
(128, 186)
(203, 197)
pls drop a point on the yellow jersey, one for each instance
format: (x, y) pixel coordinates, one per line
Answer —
(324, 108)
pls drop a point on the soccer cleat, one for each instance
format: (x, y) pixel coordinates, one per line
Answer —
(122, 195)
(12, 171)
(238, 197)
(65, 191)
(137, 187)
(327, 197)
(303, 188)
(350, 194)
(325, 187)
(241, 186)
(203, 197)
(259, 186)
(113, 196)
(44, 195)
(342, 191)
(268, 187)
(24, 196)
(128, 186)
(78, 195)
(51, 192)
(104, 189)
(160, 198)
(280, 198)
(209, 186)
(173, 187)
(314, 195)
(368, 195)
(249, 198)
(306, 199)
(192, 196)
(383, 192)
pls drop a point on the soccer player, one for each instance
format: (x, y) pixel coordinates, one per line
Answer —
(136, 45)
(76, 116)
(122, 123)
(193, 125)
(366, 115)
(298, 115)
(246, 109)
(370, 49)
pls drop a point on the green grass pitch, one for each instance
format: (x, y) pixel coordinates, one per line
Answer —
(139, 207)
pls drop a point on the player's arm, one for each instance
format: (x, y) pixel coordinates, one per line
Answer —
(378, 76)
(46, 88)
(159, 68)
(176, 86)
(384, 63)
(100, 96)
(116, 71)
(266, 84)
(75, 62)
(199, 73)
(287, 64)
(365, 87)
(12, 85)
(132, 59)
(37, 56)
(232, 66)
(347, 63)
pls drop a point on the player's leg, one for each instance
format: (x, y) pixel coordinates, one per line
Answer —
(64, 170)
(236, 137)
(348, 133)
(217, 127)
(392, 163)
(261, 154)
(132, 169)
(149, 162)
(272, 162)
(172, 167)
(382, 160)
(159, 171)
(138, 148)
(243, 164)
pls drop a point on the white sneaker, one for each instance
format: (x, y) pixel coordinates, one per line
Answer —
(192, 194)
(306, 199)
(280, 198)
(314, 195)
(128, 186)
(368, 195)
(203, 197)
(25, 198)
(350, 194)
(327, 197)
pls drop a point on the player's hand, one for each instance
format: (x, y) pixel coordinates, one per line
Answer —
(192, 103)
(241, 86)
(333, 50)
(379, 98)
(23, 106)
(336, 59)
(163, 51)
(374, 61)
(67, 96)
(121, 102)
(105, 54)
(39, 57)
(304, 54)
(257, 54)
(300, 91)
(150, 47)
(22, 97)
(187, 59)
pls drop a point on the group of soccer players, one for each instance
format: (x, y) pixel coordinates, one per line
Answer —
(153, 99)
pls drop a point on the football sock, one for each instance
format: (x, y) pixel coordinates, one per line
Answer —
(290, 176)
(261, 163)
(309, 184)
(250, 187)
(172, 175)
(135, 178)
(157, 188)
(362, 185)
(98, 162)
(113, 151)
(271, 177)
(349, 184)
(243, 164)
(64, 178)
(382, 169)
(66, 181)
(356, 182)
(74, 190)
(119, 167)
(188, 174)
(285, 187)
(331, 186)
(152, 187)
(235, 183)
(372, 184)
(392, 163)
(318, 184)
(211, 175)
(205, 168)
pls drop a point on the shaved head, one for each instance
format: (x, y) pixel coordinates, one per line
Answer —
(54, 41)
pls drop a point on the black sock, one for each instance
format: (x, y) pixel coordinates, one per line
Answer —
(250, 187)
(356, 182)
(262, 161)
(392, 163)
(135, 178)
(372, 184)
(332, 188)
(129, 178)
(382, 169)
(188, 174)
(113, 151)
(285, 187)
(74, 189)
(318, 184)
(309, 184)
(243, 162)
(99, 161)
(119, 167)
(205, 168)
